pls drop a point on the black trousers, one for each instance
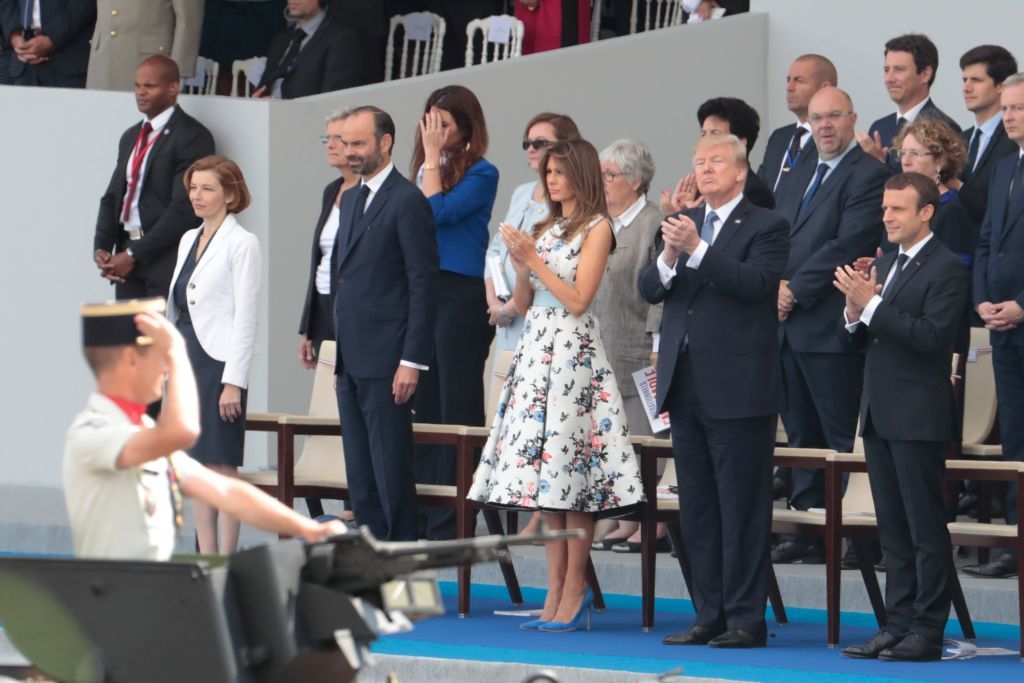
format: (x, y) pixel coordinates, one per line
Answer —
(452, 391)
(377, 435)
(724, 471)
(822, 403)
(906, 484)
(47, 76)
(1008, 366)
(138, 285)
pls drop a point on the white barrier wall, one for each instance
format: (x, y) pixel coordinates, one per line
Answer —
(59, 148)
(853, 36)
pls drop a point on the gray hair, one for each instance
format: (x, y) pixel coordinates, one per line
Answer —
(1015, 79)
(337, 115)
(633, 159)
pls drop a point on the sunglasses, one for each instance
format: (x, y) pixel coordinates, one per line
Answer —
(539, 143)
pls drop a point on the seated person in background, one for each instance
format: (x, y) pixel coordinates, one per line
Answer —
(124, 475)
(723, 116)
(313, 56)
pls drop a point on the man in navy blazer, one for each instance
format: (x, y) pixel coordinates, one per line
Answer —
(984, 69)
(50, 39)
(999, 297)
(384, 324)
(835, 208)
(911, 62)
(792, 144)
(905, 313)
(721, 384)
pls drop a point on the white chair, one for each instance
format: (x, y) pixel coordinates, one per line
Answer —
(244, 67)
(426, 48)
(207, 70)
(980, 405)
(498, 50)
(656, 14)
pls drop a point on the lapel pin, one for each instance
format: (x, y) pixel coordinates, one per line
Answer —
(738, 220)
(167, 131)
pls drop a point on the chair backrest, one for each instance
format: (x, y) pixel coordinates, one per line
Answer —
(654, 14)
(502, 36)
(857, 499)
(979, 390)
(423, 35)
(322, 457)
(595, 20)
(204, 82)
(244, 67)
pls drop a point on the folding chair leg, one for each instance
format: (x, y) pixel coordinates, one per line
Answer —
(963, 614)
(594, 585)
(508, 571)
(647, 567)
(867, 572)
(775, 597)
(676, 537)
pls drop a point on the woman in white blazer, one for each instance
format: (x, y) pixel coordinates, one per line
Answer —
(214, 302)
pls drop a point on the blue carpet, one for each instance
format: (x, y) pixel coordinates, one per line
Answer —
(796, 652)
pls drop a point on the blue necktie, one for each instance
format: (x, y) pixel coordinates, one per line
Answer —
(890, 286)
(707, 231)
(26, 21)
(972, 155)
(357, 215)
(815, 184)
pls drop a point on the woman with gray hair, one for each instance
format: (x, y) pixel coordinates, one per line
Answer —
(628, 168)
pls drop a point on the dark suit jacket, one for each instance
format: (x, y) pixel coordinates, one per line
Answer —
(331, 60)
(775, 151)
(999, 259)
(164, 206)
(974, 191)
(68, 23)
(757, 191)
(726, 309)
(886, 129)
(842, 223)
(909, 347)
(309, 307)
(385, 295)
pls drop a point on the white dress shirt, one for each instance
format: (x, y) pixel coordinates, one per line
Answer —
(374, 184)
(869, 310)
(626, 218)
(912, 113)
(988, 129)
(667, 273)
(158, 122)
(37, 19)
(327, 238)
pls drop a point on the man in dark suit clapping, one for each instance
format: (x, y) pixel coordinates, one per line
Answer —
(905, 313)
(721, 384)
(911, 61)
(146, 210)
(999, 298)
(314, 56)
(384, 323)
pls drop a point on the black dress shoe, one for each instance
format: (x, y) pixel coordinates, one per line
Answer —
(1002, 567)
(882, 566)
(737, 638)
(795, 552)
(913, 648)
(869, 650)
(850, 560)
(780, 489)
(967, 503)
(698, 635)
(606, 543)
(661, 545)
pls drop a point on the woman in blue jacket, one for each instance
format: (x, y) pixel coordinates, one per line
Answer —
(449, 166)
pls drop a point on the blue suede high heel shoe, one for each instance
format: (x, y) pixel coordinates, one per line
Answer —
(532, 625)
(577, 621)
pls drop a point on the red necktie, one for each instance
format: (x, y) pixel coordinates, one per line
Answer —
(133, 181)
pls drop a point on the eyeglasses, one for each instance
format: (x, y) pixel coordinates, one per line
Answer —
(913, 154)
(336, 139)
(832, 116)
(610, 176)
(539, 143)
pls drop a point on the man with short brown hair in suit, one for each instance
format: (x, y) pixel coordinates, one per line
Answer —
(146, 210)
(906, 314)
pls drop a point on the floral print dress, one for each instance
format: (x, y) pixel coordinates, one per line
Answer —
(559, 440)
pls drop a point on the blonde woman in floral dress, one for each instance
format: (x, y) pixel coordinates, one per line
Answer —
(559, 441)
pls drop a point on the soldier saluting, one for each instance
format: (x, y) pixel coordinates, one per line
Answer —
(124, 474)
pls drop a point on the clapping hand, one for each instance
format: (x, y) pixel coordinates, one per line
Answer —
(684, 196)
(859, 289)
(873, 145)
(862, 264)
(521, 248)
(680, 236)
